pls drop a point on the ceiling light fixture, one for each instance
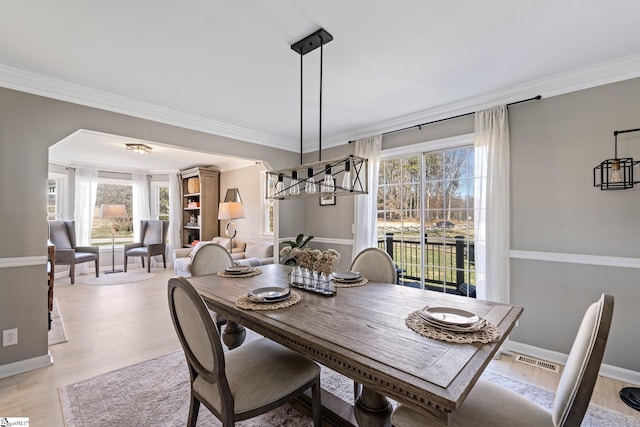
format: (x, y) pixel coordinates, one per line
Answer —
(337, 177)
(616, 174)
(138, 148)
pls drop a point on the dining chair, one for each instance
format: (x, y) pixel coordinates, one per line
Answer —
(376, 265)
(153, 242)
(245, 382)
(489, 404)
(63, 236)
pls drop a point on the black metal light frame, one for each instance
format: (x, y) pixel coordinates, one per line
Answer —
(604, 174)
(355, 167)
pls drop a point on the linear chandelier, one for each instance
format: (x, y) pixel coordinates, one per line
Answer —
(616, 173)
(338, 177)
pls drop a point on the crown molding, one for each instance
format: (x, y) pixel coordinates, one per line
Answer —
(616, 70)
(37, 84)
(612, 71)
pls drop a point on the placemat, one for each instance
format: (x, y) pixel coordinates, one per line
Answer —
(486, 335)
(362, 282)
(253, 272)
(246, 303)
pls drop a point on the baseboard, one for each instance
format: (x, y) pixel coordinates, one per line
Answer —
(609, 371)
(22, 366)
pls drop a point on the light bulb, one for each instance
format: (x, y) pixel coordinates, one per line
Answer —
(310, 186)
(294, 188)
(280, 184)
(616, 176)
(346, 180)
(328, 185)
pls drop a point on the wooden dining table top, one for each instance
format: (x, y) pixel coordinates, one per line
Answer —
(361, 333)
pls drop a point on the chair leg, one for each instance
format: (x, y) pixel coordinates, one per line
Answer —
(72, 272)
(164, 261)
(194, 407)
(125, 262)
(316, 404)
(142, 262)
(148, 263)
(97, 268)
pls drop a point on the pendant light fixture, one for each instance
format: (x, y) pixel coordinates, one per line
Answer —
(344, 176)
(616, 173)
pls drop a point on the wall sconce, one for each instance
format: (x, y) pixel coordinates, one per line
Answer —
(616, 173)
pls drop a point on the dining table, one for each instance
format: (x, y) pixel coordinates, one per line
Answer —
(361, 332)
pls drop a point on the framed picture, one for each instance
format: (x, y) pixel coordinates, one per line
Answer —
(327, 200)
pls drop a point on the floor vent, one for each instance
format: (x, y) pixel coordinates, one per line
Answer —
(547, 366)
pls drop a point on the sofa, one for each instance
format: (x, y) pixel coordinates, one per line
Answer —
(188, 260)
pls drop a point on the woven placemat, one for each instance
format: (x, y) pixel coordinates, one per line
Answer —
(362, 282)
(247, 304)
(486, 335)
(254, 272)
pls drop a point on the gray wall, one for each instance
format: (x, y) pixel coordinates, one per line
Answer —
(555, 143)
(29, 124)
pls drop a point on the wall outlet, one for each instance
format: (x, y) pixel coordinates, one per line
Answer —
(9, 337)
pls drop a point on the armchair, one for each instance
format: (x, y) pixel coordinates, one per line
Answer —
(154, 242)
(63, 235)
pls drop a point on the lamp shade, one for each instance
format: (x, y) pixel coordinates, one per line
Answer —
(230, 210)
(233, 195)
(113, 211)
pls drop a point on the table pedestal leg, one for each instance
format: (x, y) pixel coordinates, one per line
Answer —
(372, 409)
(233, 335)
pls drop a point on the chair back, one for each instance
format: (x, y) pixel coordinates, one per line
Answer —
(376, 265)
(581, 371)
(209, 258)
(63, 234)
(198, 335)
(153, 231)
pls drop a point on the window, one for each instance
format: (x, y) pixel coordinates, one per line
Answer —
(112, 192)
(268, 207)
(160, 200)
(425, 217)
(52, 200)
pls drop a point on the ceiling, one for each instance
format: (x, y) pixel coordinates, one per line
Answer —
(227, 66)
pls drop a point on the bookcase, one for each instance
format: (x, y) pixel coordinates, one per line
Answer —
(200, 196)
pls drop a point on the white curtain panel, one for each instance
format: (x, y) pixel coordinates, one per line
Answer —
(86, 190)
(491, 204)
(175, 215)
(140, 202)
(365, 219)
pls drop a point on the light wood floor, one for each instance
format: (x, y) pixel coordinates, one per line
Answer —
(110, 327)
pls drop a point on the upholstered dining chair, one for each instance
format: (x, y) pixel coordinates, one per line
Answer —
(489, 404)
(63, 236)
(376, 265)
(154, 242)
(245, 382)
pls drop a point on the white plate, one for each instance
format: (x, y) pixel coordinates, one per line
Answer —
(348, 276)
(270, 293)
(238, 270)
(451, 316)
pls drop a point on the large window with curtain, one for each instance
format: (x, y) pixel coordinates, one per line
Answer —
(112, 192)
(425, 218)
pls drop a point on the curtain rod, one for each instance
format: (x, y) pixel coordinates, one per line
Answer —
(535, 98)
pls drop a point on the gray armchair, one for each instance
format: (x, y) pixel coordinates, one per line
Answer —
(63, 235)
(154, 242)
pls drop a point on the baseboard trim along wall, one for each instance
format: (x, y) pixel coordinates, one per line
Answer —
(26, 365)
(607, 261)
(610, 371)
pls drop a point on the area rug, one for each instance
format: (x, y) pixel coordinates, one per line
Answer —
(156, 393)
(57, 334)
(118, 278)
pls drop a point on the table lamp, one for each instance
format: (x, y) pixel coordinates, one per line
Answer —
(231, 209)
(113, 212)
